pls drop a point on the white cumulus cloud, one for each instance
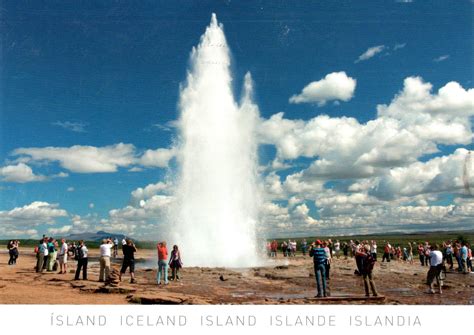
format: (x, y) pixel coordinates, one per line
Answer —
(84, 159)
(148, 191)
(20, 173)
(334, 86)
(38, 212)
(157, 158)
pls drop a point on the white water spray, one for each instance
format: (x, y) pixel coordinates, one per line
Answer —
(217, 188)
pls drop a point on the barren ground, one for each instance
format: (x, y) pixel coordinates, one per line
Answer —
(284, 281)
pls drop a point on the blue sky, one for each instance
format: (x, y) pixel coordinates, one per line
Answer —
(97, 74)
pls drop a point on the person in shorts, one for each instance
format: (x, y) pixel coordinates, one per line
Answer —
(129, 251)
(62, 257)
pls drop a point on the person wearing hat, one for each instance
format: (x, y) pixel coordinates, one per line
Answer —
(319, 258)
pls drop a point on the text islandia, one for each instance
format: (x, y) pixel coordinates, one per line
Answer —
(210, 320)
(311, 321)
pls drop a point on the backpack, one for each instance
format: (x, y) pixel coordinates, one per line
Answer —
(78, 253)
(81, 253)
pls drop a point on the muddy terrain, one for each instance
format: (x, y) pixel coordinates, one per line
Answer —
(282, 281)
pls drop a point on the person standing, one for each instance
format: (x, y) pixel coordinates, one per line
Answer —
(16, 251)
(449, 254)
(345, 250)
(288, 248)
(469, 257)
(463, 254)
(304, 247)
(421, 254)
(162, 263)
(358, 259)
(405, 254)
(368, 262)
(10, 248)
(129, 250)
(104, 260)
(293, 248)
(42, 254)
(328, 259)
(436, 265)
(82, 260)
(386, 252)
(274, 248)
(175, 263)
(319, 259)
(427, 249)
(283, 248)
(62, 255)
(373, 249)
(410, 253)
(51, 254)
(337, 248)
(115, 247)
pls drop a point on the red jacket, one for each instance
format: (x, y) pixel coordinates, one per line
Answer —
(162, 253)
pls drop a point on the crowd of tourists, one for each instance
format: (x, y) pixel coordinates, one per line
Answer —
(52, 255)
(448, 256)
(322, 253)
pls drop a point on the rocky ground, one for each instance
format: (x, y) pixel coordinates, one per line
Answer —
(284, 281)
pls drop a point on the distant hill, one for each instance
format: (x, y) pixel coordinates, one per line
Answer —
(98, 236)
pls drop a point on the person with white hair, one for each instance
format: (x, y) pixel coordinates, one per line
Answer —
(62, 257)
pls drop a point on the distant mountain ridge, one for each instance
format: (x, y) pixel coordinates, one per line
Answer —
(98, 236)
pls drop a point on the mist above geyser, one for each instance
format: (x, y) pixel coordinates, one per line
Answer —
(217, 194)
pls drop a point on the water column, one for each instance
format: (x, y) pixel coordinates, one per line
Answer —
(217, 194)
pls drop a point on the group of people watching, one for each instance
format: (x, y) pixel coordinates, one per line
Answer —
(174, 263)
(288, 248)
(322, 255)
(51, 257)
(450, 253)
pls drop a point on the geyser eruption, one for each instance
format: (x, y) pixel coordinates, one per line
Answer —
(217, 188)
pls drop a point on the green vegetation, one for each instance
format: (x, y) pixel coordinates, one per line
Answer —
(91, 244)
(394, 239)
